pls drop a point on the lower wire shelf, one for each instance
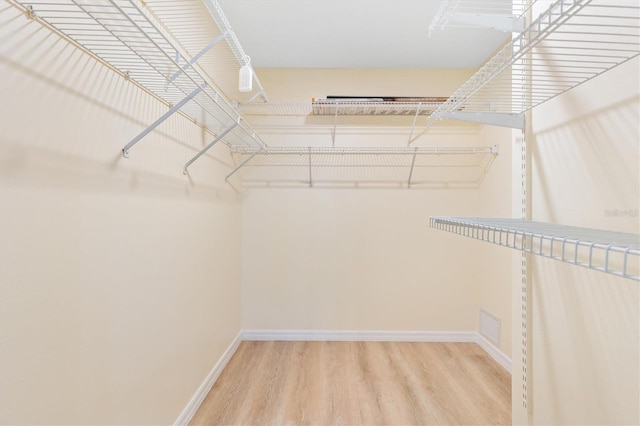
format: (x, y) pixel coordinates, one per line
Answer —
(359, 167)
(615, 253)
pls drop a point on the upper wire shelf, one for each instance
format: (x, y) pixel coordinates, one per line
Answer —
(567, 45)
(505, 15)
(615, 253)
(339, 108)
(389, 167)
(126, 35)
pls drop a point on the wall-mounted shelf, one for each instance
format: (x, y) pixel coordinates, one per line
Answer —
(330, 108)
(126, 35)
(569, 44)
(503, 15)
(615, 253)
(418, 167)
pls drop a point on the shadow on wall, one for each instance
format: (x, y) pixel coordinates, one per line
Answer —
(69, 173)
(586, 173)
(585, 346)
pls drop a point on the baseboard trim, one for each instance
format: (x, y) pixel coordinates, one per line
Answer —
(382, 336)
(190, 410)
(359, 336)
(494, 352)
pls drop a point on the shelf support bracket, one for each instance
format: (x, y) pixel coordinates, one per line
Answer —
(145, 132)
(196, 58)
(247, 103)
(504, 23)
(514, 121)
(206, 148)
(234, 171)
(335, 123)
(310, 178)
(413, 125)
(413, 163)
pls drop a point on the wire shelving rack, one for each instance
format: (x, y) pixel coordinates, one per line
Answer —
(502, 14)
(615, 253)
(393, 167)
(126, 35)
(570, 43)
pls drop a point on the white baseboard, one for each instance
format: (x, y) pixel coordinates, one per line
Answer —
(494, 352)
(359, 336)
(190, 410)
(382, 336)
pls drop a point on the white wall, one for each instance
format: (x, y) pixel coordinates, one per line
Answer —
(119, 279)
(585, 324)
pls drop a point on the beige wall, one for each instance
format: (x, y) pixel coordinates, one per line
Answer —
(119, 279)
(492, 263)
(327, 259)
(365, 259)
(300, 84)
(585, 324)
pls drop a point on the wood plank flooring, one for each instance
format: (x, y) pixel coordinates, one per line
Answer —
(359, 383)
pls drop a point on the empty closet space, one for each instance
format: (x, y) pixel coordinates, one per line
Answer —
(324, 382)
(326, 212)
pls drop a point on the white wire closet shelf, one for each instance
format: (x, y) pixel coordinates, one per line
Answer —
(126, 35)
(615, 253)
(505, 15)
(330, 108)
(194, 24)
(569, 44)
(395, 167)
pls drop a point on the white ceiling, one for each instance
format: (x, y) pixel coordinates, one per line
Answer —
(354, 34)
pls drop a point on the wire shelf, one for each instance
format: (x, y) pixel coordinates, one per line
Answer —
(194, 25)
(126, 35)
(463, 13)
(427, 167)
(569, 44)
(339, 108)
(616, 253)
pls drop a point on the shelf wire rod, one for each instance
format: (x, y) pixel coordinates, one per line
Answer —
(413, 162)
(335, 124)
(115, 36)
(209, 146)
(413, 125)
(175, 108)
(234, 171)
(197, 57)
(310, 176)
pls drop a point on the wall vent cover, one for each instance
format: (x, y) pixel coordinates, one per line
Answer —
(490, 327)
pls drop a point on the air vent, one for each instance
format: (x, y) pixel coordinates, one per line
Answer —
(490, 327)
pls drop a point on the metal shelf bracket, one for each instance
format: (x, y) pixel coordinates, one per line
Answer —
(234, 171)
(196, 58)
(174, 109)
(497, 22)
(513, 121)
(206, 148)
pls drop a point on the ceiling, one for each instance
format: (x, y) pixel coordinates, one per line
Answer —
(354, 34)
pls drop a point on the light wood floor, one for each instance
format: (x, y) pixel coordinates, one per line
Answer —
(359, 383)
